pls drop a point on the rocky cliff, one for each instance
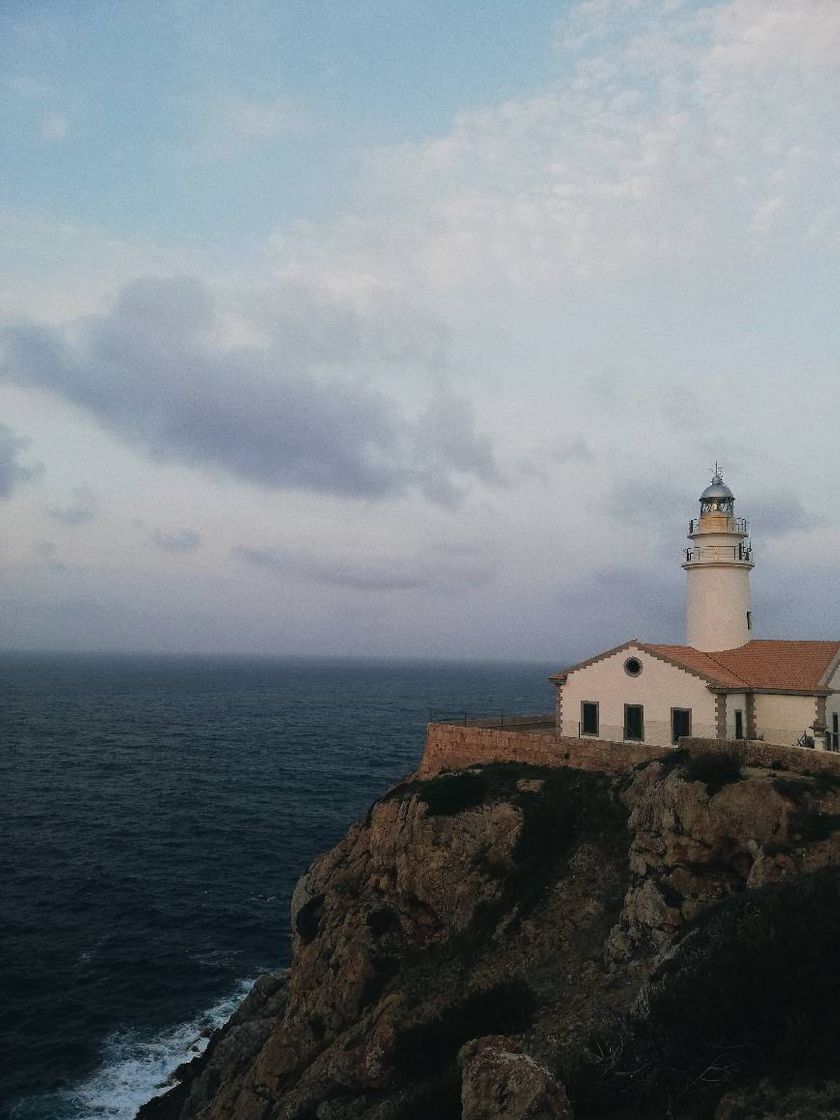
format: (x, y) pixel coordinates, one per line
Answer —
(512, 941)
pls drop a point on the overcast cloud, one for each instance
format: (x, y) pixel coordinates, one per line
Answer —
(153, 371)
(13, 469)
(417, 345)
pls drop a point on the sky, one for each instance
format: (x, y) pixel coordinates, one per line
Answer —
(411, 328)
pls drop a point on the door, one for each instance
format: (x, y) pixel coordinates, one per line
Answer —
(634, 722)
(680, 723)
(739, 724)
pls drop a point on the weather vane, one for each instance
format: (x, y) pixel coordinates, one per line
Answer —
(718, 471)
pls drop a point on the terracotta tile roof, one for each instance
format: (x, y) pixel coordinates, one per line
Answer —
(770, 664)
(687, 657)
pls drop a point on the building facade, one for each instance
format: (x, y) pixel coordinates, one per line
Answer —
(722, 683)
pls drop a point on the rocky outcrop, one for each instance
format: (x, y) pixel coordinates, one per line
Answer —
(707, 829)
(499, 1082)
(485, 937)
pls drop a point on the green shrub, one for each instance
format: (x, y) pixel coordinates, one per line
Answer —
(383, 920)
(308, 919)
(439, 1098)
(426, 1048)
(753, 989)
(716, 769)
(794, 790)
(452, 793)
(812, 825)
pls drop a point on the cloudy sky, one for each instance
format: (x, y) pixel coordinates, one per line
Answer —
(412, 327)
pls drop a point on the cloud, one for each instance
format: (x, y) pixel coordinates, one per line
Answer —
(672, 133)
(54, 126)
(78, 511)
(363, 575)
(176, 540)
(780, 515)
(294, 411)
(12, 471)
(234, 126)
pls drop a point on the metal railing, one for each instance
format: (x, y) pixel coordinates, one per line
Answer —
(492, 719)
(731, 524)
(712, 552)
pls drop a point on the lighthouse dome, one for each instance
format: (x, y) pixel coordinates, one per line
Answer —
(717, 490)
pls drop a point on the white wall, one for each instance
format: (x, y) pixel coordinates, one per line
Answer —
(659, 687)
(832, 703)
(717, 601)
(783, 719)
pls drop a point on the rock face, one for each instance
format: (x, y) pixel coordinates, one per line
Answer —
(485, 943)
(499, 1082)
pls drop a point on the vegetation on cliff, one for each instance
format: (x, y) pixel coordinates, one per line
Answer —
(660, 945)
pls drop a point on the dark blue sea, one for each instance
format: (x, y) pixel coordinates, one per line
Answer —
(155, 813)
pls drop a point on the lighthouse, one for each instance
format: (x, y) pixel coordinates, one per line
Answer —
(718, 565)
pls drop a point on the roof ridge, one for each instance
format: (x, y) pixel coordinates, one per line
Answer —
(726, 668)
(657, 650)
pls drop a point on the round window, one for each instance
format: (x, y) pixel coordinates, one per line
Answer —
(632, 666)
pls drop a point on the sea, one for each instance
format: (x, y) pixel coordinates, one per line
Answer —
(155, 814)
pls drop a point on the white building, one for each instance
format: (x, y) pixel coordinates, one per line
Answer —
(723, 684)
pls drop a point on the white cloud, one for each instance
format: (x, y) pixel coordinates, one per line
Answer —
(232, 126)
(663, 139)
(54, 126)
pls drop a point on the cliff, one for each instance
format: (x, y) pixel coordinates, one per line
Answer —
(514, 941)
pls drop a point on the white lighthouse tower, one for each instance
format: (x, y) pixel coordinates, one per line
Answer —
(718, 564)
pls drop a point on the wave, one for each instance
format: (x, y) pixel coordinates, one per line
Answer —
(135, 1066)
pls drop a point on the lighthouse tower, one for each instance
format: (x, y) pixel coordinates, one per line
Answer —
(718, 564)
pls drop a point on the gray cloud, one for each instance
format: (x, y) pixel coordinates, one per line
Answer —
(396, 575)
(176, 540)
(778, 516)
(12, 471)
(79, 510)
(274, 414)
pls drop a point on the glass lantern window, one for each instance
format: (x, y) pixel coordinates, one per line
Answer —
(723, 506)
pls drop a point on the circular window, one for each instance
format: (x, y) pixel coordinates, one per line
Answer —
(632, 666)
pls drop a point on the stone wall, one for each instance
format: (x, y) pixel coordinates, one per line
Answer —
(758, 753)
(452, 746)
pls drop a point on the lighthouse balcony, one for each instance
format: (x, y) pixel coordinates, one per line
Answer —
(711, 554)
(718, 523)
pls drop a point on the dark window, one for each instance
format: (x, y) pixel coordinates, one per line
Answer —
(632, 666)
(588, 717)
(739, 724)
(634, 722)
(749, 620)
(835, 731)
(680, 723)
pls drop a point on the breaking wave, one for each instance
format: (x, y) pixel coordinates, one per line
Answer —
(135, 1066)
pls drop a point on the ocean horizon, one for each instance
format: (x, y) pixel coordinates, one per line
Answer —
(159, 809)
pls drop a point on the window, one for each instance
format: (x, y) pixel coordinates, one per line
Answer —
(680, 723)
(749, 620)
(588, 717)
(739, 724)
(634, 723)
(632, 666)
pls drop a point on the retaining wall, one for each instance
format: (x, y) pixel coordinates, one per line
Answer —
(452, 746)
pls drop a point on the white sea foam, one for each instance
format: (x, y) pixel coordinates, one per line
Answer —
(135, 1066)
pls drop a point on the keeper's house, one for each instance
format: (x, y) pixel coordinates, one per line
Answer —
(723, 683)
